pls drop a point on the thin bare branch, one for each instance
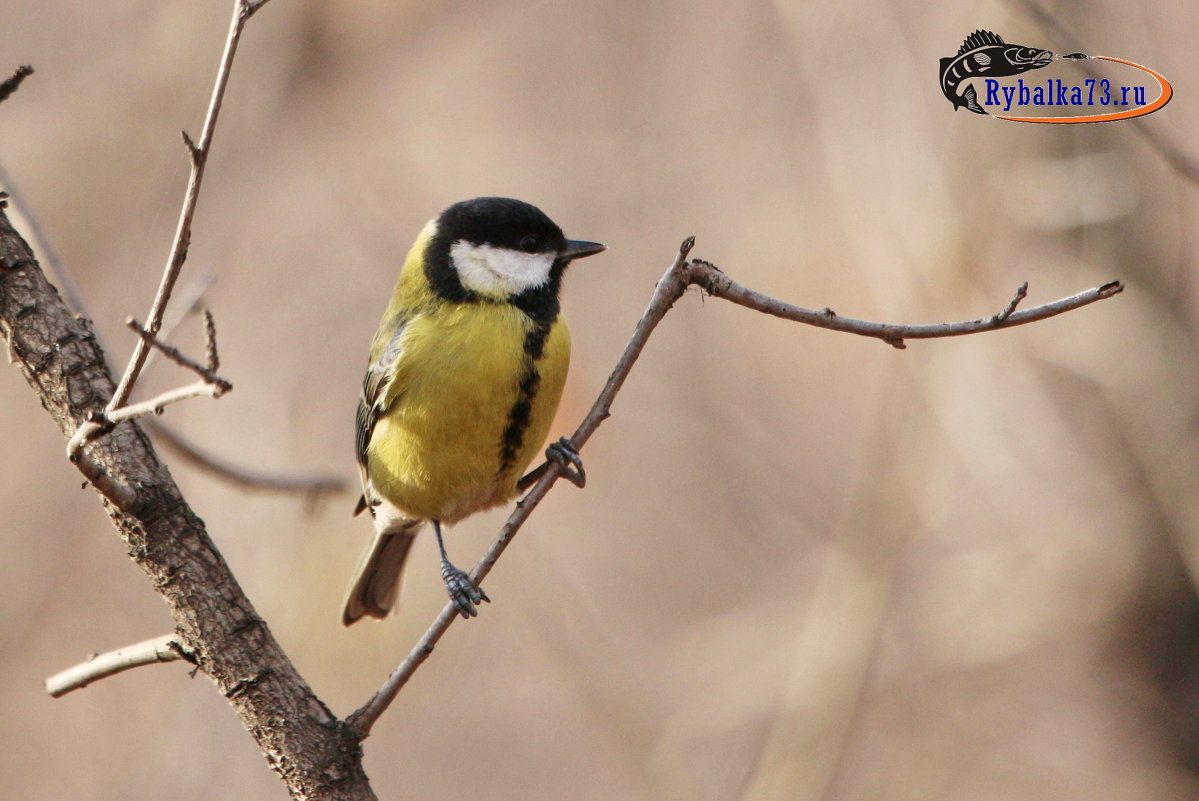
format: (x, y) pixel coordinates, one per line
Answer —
(717, 284)
(211, 385)
(194, 153)
(249, 478)
(155, 405)
(12, 83)
(186, 300)
(177, 357)
(668, 290)
(198, 154)
(250, 7)
(100, 666)
(274, 481)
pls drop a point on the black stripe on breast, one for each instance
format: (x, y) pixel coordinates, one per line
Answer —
(518, 417)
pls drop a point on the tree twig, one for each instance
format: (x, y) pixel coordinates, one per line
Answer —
(211, 385)
(1021, 294)
(101, 666)
(717, 284)
(12, 83)
(155, 405)
(186, 301)
(216, 624)
(680, 275)
(198, 154)
(668, 290)
(206, 372)
(314, 484)
(211, 356)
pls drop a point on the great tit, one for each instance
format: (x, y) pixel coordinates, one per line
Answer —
(465, 375)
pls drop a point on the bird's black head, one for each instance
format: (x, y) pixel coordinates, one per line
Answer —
(502, 222)
(501, 250)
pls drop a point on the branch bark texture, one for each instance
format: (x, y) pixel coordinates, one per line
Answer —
(217, 627)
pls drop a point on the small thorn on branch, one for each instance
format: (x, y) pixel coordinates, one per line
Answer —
(1021, 294)
(193, 151)
(12, 83)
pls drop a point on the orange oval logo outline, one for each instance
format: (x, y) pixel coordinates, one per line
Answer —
(1167, 92)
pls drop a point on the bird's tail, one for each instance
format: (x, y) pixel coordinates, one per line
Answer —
(377, 581)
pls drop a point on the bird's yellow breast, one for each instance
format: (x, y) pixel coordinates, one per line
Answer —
(472, 398)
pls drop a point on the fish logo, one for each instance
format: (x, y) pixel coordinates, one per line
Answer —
(984, 53)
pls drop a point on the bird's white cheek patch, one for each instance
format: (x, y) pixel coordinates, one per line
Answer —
(499, 272)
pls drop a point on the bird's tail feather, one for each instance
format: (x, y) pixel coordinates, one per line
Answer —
(377, 581)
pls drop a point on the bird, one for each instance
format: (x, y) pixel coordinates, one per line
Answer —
(464, 378)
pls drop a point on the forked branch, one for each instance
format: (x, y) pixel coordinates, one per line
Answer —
(678, 277)
(217, 628)
(198, 155)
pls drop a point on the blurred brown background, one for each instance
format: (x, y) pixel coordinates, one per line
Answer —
(806, 566)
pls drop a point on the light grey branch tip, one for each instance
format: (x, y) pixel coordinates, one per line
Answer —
(1021, 293)
(101, 666)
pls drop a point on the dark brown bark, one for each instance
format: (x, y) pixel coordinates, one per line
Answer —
(219, 631)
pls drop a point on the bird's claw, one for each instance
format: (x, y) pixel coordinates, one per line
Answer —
(463, 592)
(564, 454)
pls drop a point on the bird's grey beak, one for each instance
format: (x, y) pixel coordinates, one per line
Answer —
(576, 249)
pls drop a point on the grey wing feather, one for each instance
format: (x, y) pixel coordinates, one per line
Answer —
(372, 403)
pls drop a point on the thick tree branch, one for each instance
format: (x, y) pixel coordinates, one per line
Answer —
(315, 754)
(216, 625)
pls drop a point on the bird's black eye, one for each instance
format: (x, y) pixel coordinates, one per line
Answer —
(529, 244)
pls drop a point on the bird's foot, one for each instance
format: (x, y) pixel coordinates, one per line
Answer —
(465, 595)
(563, 452)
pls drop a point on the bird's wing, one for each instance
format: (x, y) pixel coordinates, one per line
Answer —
(376, 399)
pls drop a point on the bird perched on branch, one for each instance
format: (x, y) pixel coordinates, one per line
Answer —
(465, 375)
